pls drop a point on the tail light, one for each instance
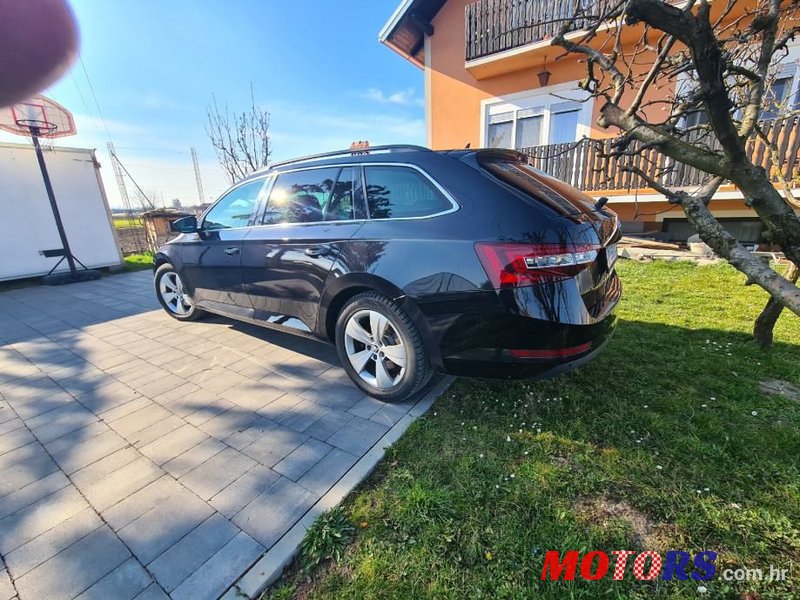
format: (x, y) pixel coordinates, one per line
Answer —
(518, 265)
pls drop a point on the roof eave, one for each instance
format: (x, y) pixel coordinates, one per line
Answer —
(412, 59)
(394, 20)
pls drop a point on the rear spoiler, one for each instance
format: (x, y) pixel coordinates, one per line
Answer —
(502, 154)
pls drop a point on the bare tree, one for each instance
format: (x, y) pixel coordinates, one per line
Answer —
(719, 69)
(241, 140)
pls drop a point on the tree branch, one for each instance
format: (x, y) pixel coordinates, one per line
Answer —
(705, 160)
(242, 143)
(697, 33)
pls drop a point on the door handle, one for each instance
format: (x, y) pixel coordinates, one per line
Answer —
(317, 251)
(232, 251)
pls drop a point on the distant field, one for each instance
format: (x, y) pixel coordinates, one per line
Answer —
(125, 223)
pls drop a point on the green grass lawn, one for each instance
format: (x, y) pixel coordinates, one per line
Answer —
(138, 262)
(125, 223)
(663, 442)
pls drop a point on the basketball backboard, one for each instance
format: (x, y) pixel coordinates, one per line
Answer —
(47, 117)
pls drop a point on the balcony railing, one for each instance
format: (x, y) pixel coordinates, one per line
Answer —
(496, 25)
(590, 166)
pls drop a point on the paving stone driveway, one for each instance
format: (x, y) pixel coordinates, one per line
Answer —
(143, 458)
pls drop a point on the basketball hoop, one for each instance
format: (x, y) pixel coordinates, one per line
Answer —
(41, 127)
(41, 117)
(40, 114)
(47, 145)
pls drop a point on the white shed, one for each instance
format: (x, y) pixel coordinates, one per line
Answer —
(28, 226)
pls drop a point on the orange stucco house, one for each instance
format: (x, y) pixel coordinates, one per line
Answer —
(492, 79)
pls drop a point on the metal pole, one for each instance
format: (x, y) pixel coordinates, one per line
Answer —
(51, 196)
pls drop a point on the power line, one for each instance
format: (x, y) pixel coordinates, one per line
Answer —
(114, 157)
(96, 103)
(146, 202)
(144, 199)
(89, 111)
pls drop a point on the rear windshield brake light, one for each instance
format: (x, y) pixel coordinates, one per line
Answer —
(517, 265)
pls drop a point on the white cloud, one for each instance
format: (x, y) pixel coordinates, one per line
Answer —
(407, 97)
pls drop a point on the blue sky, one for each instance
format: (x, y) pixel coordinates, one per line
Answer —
(316, 65)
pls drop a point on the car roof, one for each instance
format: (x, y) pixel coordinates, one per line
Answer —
(380, 154)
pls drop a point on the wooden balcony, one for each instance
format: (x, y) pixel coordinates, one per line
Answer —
(589, 166)
(494, 26)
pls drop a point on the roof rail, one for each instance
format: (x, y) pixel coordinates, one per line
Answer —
(352, 152)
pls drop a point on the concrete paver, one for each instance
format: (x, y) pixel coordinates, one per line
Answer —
(74, 569)
(7, 591)
(327, 471)
(268, 515)
(175, 565)
(297, 464)
(242, 491)
(212, 578)
(41, 548)
(144, 458)
(218, 472)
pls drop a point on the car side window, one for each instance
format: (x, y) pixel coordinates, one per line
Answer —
(340, 206)
(300, 196)
(235, 208)
(396, 192)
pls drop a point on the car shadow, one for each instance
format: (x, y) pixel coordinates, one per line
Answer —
(67, 388)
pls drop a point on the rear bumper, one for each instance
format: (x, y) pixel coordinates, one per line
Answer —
(498, 363)
(527, 332)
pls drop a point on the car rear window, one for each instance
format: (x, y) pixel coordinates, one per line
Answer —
(537, 185)
(397, 192)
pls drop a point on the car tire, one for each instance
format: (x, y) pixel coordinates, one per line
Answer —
(392, 366)
(172, 296)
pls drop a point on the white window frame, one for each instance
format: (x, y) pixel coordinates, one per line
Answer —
(788, 66)
(789, 70)
(548, 100)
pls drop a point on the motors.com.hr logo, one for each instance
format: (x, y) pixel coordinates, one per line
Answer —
(675, 565)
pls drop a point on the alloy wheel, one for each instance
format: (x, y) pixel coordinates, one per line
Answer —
(174, 296)
(375, 349)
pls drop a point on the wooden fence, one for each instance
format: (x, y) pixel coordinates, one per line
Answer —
(590, 166)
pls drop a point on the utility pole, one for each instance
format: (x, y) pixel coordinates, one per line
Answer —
(137, 238)
(199, 181)
(146, 203)
(123, 191)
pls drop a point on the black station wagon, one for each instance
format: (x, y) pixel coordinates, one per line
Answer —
(410, 261)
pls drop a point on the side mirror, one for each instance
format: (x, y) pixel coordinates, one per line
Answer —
(184, 225)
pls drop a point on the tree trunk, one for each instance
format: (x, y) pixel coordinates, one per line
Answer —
(765, 322)
(777, 214)
(726, 246)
